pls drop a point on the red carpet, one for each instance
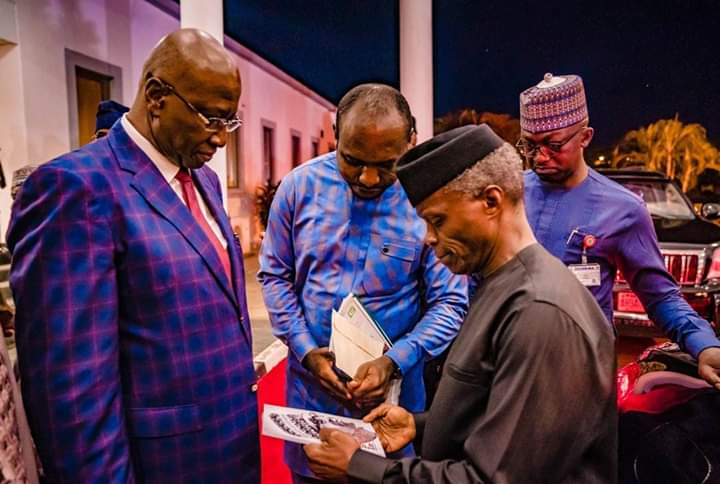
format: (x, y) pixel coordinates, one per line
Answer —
(271, 389)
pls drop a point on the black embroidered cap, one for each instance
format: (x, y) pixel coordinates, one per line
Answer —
(433, 164)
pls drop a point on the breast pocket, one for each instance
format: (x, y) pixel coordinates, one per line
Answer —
(574, 249)
(468, 376)
(389, 266)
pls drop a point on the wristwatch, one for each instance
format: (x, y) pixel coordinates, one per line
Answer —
(396, 374)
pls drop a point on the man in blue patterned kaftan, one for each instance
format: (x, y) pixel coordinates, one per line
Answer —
(342, 224)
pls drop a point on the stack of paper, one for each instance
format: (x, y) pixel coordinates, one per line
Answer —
(357, 338)
(352, 309)
(351, 345)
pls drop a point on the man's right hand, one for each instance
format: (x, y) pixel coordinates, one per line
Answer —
(320, 362)
(394, 425)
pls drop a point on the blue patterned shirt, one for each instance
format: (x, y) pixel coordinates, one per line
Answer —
(323, 242)
(561, 218)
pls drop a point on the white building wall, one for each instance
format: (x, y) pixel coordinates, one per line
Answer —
(34, 109)
(147, 26)
(262, 95)
(46, 28)
(13, 132)
(13, 126)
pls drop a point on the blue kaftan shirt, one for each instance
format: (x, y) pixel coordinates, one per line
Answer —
(626, 240)
(323, 242)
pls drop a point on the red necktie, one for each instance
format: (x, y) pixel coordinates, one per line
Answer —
(191, 200)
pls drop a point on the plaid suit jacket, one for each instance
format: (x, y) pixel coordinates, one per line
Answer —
(135, 350)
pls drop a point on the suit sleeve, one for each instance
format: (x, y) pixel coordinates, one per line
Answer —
(640, 261)
(64, 282)
(277, 275)
(446, 303)
(530, 426)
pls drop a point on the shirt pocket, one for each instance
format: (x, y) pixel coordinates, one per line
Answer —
(389, 266)
(462, 391)
(574, 249)
(468, 376)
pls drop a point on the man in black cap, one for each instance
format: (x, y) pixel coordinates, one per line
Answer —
(528, 389)
(108, 112)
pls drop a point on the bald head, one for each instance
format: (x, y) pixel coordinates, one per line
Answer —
(374, 101)
(188, 58)
(188, 80)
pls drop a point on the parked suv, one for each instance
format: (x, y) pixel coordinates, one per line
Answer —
(690, 245)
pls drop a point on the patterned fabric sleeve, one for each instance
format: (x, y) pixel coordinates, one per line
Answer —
(446, 303)
(63, 279)
(640, 261)
(277, 275)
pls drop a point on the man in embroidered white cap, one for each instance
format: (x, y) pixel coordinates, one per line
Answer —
(595, 226)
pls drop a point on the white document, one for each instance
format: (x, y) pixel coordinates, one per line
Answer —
(356, 314)
(303, 427)
(351, 345)
(354, 339)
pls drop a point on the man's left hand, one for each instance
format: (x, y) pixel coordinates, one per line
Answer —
(371, 382)
(331, 458)
(709, 366)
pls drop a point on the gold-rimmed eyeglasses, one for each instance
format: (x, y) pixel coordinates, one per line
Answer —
(211, 123)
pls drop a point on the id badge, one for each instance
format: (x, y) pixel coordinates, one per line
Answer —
(587, 274)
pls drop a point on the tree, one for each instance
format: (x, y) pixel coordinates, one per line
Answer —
(681, 151)
(504, 125)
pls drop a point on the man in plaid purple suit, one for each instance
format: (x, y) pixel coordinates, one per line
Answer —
(132, 325)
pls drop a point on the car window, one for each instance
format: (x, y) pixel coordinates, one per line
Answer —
(662, 199)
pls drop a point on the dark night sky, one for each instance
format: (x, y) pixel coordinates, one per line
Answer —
(641, 60)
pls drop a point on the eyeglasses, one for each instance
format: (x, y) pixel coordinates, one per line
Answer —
(528, 148)
(211, 123)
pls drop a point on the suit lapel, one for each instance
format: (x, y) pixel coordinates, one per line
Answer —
(214, 203)
(148, 181)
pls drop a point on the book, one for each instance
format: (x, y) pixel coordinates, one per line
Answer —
(303, 427)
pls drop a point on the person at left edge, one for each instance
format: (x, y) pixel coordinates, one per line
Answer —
(341, 223)
(132, 326)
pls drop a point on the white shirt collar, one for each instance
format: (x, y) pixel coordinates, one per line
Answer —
(167, 168)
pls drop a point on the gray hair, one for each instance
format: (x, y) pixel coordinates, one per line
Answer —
(502, 167)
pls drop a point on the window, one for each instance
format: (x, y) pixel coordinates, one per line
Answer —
(315, 147)
(662, 199)
(268, 153)
(295, 148)
(89, 81)
(235, 157)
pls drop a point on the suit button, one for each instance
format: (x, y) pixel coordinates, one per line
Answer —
(254, 387)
